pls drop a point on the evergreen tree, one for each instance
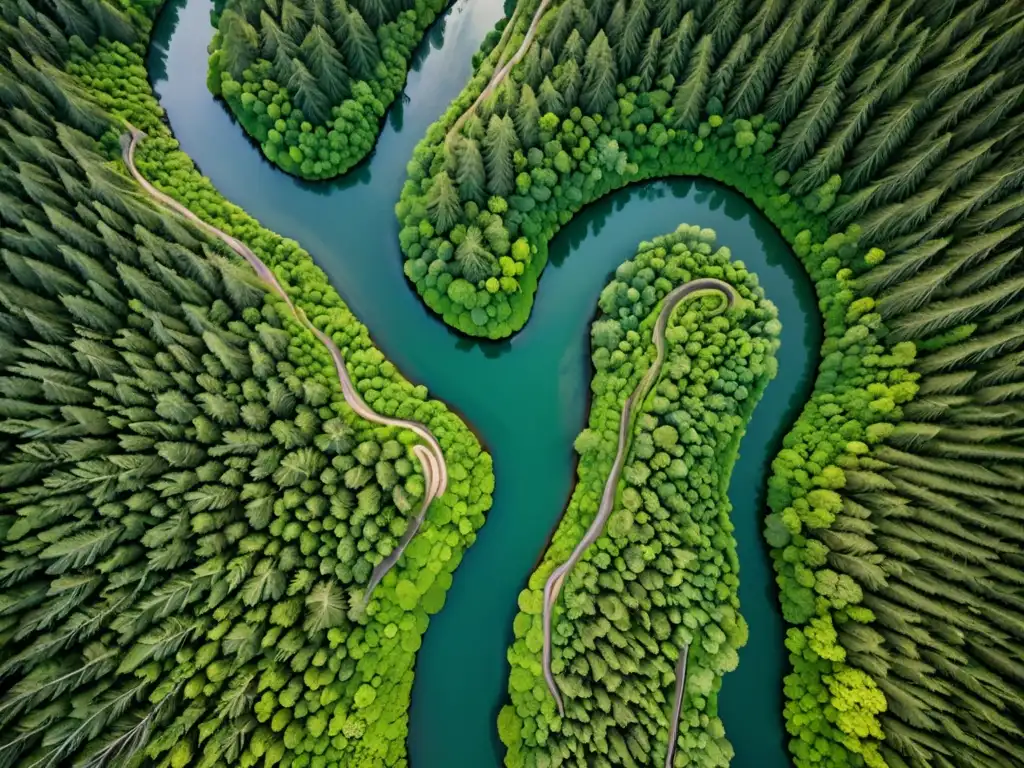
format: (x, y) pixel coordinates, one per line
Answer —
(628, 48)
(360, 46)
(325, 63)
(568, 81)
(240, 43)
(374, 11)
(616, 22)
(584, 19)
(499, 144)
(648, 68)
(274, 43)
(562, 24)
(443, 203)
(675, 55)
(550, 99)
(574, 49)
(306, 92)
(472, 177)
(476, 262)
(599, 77)
(294, 19)
(527, 118)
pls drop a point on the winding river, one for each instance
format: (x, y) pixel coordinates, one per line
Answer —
(526, 397)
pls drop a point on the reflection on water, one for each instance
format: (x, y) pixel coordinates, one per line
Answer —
(527, 396)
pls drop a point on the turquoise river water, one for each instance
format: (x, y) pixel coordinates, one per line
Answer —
(527, 397)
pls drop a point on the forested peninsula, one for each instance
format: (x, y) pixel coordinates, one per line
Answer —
(310, 80)
(191, 505)
(651, 607)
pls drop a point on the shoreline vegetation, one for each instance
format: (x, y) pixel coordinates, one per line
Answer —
(310, 81)
(190, 507)
(883, 141)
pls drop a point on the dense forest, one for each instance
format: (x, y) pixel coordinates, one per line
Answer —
(883, 138)
(190, 510)
(310, 80)
(664, 576)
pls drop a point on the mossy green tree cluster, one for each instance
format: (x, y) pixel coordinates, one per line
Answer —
(664, 575)
(883, 139)
(310, 80)
(189, 507)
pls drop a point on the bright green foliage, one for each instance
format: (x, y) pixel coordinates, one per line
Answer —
(188, 507)
(883, 140)
(665, 572)
(310, 80)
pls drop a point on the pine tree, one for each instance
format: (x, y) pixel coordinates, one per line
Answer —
(294, 19)
(75, 21)
(689, 99)
(111, 22)
(584, 19)
(550, 99)
(616, 23)
(628, 48)
(360, 46)
(475, 261)
(499, 144)
(756, 79)
(274, 42)
(527, 118)
(568, 81)
(648, 68)
(675, 57)
(326, 64)
(558, 32)
(374, 11)
(575, 48)
(599, 78)
(240, 43)
(800, 138)
(443, 202)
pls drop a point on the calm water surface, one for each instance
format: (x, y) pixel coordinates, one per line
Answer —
(527, 396)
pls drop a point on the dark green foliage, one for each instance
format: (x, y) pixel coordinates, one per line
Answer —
(310, 79)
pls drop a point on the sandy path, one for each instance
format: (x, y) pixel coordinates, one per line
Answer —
(435, 470)
(557, 578)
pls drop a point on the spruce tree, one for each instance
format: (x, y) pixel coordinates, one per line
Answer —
(499, 144)
(307, 94)
(628, 49)
(527, 117)
(599, 79)
(360, 46)
(443, 203)
(471, 176)
(549, 98)
(325, 63)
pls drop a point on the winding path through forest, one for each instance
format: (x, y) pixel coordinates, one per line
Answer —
(435, 470)
(503, 70)
(554, 583)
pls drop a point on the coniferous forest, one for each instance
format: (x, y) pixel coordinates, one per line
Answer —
(226, 517)
(310, 80)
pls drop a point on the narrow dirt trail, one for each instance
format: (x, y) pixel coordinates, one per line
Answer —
(431, 457)
(677, 707)
(499, 76)
(557, 578)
